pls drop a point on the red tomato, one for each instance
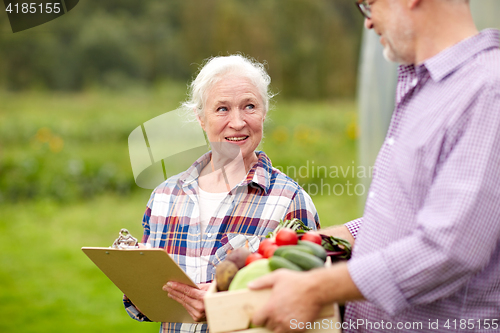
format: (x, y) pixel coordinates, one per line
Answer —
(253, 257)
(268, 253)
(312, 236)
(286, 237)
(264, 244)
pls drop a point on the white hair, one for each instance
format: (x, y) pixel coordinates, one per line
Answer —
(215, 68)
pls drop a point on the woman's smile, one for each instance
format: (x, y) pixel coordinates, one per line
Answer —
(237, 139)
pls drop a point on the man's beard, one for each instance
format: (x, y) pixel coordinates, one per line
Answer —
(398, 41)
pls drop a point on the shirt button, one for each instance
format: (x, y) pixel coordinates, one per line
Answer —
(414, 82)
(391, 141)
(209, 235)
(371, 194)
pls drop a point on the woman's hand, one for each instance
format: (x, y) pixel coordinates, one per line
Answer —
(190, 298)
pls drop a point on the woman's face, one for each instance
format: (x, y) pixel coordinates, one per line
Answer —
(234, 114)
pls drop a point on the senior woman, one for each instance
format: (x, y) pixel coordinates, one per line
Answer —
(229, 196)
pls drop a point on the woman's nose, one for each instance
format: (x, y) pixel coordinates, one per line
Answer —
(236, 121)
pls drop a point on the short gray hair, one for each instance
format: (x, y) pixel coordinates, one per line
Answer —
(215, 68)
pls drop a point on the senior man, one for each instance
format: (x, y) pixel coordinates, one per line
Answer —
(427, 249)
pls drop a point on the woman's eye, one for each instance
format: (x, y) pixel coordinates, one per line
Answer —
(222, 108)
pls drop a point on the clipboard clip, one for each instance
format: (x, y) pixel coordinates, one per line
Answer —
(124, 241)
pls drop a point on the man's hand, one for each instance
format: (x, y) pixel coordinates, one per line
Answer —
(300, 296)
(293, 297)
(190, 298)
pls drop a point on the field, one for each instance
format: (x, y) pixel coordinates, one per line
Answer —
(66, 182)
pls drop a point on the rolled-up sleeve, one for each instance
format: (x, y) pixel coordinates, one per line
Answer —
(354, 226)
(132, 310)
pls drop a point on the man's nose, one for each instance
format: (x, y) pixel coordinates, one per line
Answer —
(368, 23)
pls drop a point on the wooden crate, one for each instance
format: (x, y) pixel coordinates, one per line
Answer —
(232, 311)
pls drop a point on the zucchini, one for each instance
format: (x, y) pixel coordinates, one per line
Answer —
(318, 250)
(284, 248)
(304, 260)
(276, 262)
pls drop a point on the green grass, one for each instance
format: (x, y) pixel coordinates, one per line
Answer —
(47, 283)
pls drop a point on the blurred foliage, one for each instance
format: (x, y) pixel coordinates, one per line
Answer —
(73, 146)
(311, 46)
(67, 147)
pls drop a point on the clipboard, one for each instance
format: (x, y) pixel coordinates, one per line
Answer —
(140, 273)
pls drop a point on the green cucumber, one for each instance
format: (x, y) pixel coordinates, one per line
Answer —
(317, 249)
(284, 248)
(276, 262)
(304, 260)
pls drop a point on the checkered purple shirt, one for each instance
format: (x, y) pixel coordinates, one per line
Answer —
(249, 212)
(427, 253)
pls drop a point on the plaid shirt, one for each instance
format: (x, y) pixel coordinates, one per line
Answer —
(249, 212)
(427, 253)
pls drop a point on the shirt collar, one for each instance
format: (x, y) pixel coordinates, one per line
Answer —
(194, 170)
(259, 175)
(449, 60)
